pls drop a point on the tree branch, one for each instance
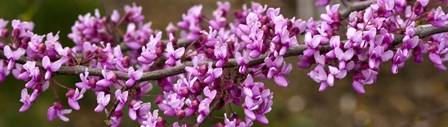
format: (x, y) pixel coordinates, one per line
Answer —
(421, 31)
(345, 3)
(180, 43)
(434, 113)
(356, 6)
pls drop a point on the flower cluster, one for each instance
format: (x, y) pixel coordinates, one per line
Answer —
(207, 64)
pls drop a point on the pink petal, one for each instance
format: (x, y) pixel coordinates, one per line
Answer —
(349, 54)
(132, 114)
(281, 81)
(323, 86)
(7, 51)
(387, 55)
(179, 52)
(435, 58)
(358, 87)
(250, 114)
(262, 119)
(46, 62)
(74, 104)
(18, 53)
(51, 113)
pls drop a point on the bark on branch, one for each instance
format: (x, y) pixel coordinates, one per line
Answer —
(421, 31)
(355, 6)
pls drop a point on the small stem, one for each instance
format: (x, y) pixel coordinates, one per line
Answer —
(433, 113)
(345, 3)
(55, 93)
(59, 84)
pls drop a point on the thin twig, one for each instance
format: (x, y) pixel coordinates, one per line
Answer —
(357, 6)
(421, 31)
(424, 116)
(345, 3)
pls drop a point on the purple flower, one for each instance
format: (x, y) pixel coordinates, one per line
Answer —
(90, 29)
(137, 35)
(73, 97)
(363, 77)
(57, 111)
(377, 55)
(176, 124)
(171, 28)
(22, 29)
(275, 72)
(321, 3)
(423, 2)
(233, 123)
(253, 35)
(143, 88)
(115, 118)
(220, 15)
(332, 15)
(320, 76)
(437, 17)
(115, 16)
(33, 45)
(133, 13)
(149, 52)
(220, 53)
(196, 70)
(12, 56)
(63, 52)
(212, 74)
(152, 119)
(399, 59)
(204, 105)
(109, 78)
(172, 103)
(134, 75)
(173, 55)
(102, 100)
(3, 31)
(209, 93)
(187, 84)
(30, 71)
(191, 22)
(85, 82)
(387, 4)
(139, 111)
(27, 99)
(312, 41)
(4, 72)
(50, 67)
(134, 106)
(355, 38)
(257, 101)
(243, 61)
(122, 98)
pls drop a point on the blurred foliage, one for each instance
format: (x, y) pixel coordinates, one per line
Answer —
(418, 94)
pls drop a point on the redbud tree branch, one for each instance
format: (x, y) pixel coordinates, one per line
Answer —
(421, 31)
(355, 6)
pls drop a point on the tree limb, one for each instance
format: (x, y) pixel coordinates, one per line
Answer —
(421, 31)
(356, 6)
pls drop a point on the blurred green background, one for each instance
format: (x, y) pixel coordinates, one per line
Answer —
(417, 95)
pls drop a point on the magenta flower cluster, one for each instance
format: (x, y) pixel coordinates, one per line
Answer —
(210, 63)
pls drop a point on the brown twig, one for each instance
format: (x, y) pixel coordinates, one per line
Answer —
(424, 116)
(421, 31)
(356, 6)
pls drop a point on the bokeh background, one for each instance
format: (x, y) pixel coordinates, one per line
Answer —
(416, 96)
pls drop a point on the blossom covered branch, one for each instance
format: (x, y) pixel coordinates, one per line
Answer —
(203, 69)
(421, 31)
